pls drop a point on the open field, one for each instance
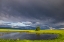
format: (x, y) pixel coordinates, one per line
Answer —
(59, 32)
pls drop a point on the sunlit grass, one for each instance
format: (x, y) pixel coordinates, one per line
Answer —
(32, 40)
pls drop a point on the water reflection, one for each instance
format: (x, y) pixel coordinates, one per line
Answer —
(34, 36)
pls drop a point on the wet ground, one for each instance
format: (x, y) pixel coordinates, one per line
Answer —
(17, 35)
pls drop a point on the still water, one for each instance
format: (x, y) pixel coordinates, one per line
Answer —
(24, 35)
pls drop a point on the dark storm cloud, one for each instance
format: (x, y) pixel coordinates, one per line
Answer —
(45, 11)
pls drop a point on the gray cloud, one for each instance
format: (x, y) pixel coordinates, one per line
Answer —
(44, 11)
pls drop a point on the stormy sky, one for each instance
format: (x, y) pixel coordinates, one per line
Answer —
(50, 12)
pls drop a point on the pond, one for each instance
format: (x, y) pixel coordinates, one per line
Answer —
(28, 36)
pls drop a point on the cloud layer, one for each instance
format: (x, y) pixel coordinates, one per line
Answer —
(50, 12)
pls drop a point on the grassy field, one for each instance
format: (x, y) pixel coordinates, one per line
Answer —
(59, 32)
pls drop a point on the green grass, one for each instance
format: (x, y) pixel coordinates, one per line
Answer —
(59, 32)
